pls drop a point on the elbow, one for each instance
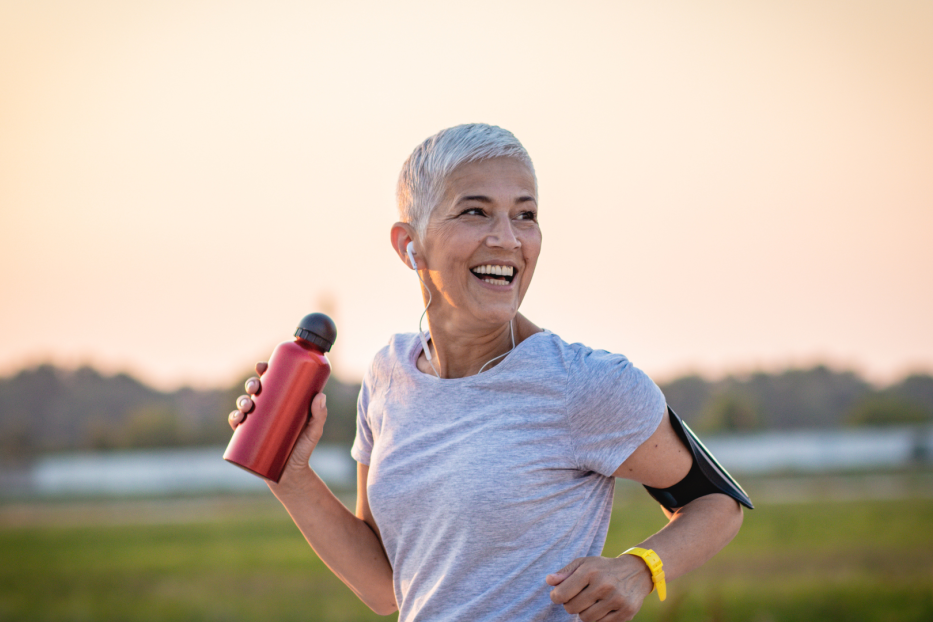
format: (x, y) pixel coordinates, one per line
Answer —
(735, 518)
(381, 604)
(740, 516)
(384, 608)
(725, 513)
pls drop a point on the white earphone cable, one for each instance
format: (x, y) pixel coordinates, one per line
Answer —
(512, 331)
(424, 342)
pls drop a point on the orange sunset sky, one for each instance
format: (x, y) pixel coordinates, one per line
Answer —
(725, 185)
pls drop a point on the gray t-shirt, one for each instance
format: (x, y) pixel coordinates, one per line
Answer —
(482, 486)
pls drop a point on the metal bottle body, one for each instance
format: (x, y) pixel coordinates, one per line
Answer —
(262, 443)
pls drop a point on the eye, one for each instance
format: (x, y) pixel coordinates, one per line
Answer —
(473, 211)
(528, 215)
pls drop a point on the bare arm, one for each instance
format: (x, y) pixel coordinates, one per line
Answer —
(609, 589)
(349, 545)
(661, 462)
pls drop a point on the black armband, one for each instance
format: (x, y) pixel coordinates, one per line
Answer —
(706, 476)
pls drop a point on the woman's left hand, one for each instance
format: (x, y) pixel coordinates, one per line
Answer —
(608, 589)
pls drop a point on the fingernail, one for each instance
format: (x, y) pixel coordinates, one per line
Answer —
(243, 402)
(324, 401)
(251, 385)
(236, 417)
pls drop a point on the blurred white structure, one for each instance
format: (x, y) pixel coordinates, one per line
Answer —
(820, 451)
(203, 469)
(169, 471)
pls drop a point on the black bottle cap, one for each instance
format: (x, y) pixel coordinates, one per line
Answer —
(318, 329)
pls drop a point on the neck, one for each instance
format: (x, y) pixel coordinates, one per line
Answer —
(458, 353)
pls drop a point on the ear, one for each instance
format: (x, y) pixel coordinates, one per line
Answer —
(401, 234)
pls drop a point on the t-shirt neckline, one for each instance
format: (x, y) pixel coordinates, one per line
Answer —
(416, 349)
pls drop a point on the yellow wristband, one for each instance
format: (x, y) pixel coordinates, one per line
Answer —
(654, 565)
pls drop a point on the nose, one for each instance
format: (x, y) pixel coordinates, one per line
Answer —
(503, 235)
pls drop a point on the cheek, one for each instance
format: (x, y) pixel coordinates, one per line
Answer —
(448, 252)
(531, 246)
(531, 260)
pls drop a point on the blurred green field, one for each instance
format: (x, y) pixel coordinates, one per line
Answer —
(242, 559)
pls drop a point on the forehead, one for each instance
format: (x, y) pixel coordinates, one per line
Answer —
(501, 179)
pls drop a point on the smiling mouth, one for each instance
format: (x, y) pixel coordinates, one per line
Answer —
(494, 275)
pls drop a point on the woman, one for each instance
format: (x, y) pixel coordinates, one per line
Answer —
(487, 447)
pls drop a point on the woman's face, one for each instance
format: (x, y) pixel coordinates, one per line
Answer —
(482, 243)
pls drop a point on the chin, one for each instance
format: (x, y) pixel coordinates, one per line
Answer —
(495, 316)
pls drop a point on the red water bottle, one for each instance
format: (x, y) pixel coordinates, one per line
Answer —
(297, 372)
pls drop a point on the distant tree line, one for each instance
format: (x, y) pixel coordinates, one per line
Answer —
(815, 398)
(47, 409)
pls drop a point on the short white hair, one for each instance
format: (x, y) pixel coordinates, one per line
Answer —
(421, 184)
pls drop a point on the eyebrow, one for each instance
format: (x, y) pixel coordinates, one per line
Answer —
(482, 198)
(475, 197)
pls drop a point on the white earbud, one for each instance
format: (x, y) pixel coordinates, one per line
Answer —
(411, 255)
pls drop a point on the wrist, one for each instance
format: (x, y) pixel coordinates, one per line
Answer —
(653, 568)
(644, 575)
(636, 572)
(297, 483)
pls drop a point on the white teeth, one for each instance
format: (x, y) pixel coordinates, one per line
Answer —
(496, 281)
(495, 270)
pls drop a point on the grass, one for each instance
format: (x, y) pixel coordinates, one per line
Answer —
(854, 560)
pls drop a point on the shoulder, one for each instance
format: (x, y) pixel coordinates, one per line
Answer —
(580, 368)
(390, 355)
(596, 374)
(585, 361)
(398, 347)
(577, 358)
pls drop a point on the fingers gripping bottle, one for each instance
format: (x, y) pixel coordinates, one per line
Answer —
(297, 372)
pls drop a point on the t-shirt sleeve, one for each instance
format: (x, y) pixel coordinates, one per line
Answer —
(363, 443)
(613, 407)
